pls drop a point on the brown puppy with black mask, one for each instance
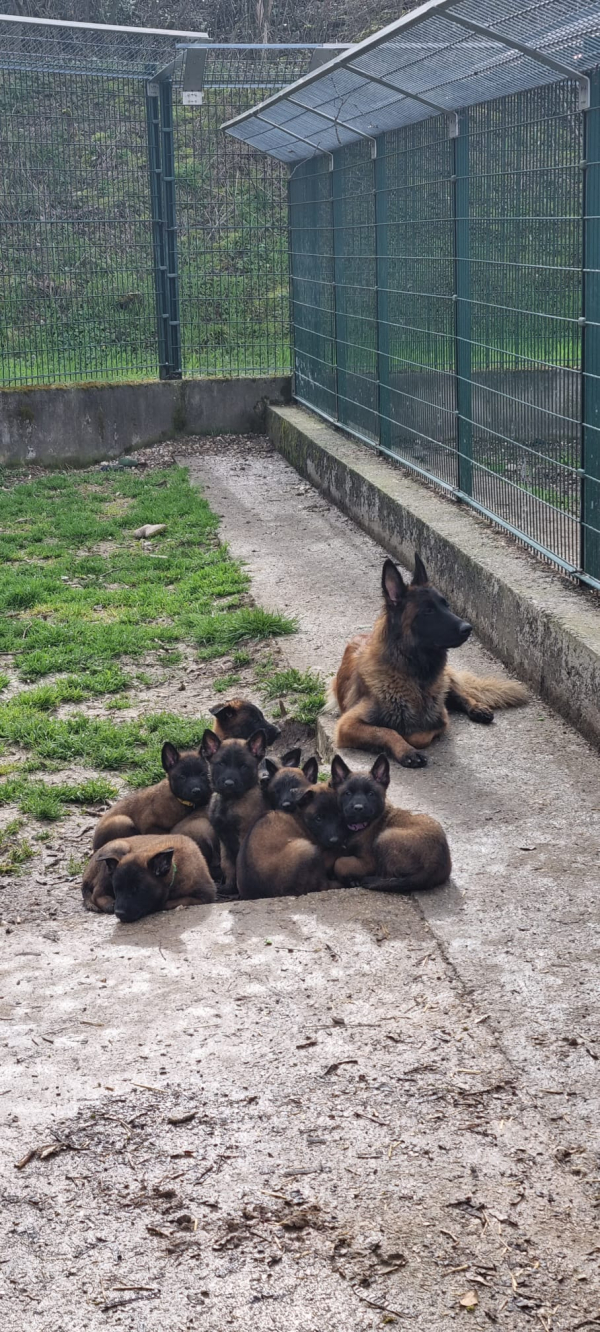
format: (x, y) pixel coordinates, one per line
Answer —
(282, 786)
(237, 800)
(291, 854)
(239, 719)
(160, 808)
(385, 848)
(134, 876)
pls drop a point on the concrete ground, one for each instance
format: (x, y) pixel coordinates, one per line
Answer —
(335, 1113)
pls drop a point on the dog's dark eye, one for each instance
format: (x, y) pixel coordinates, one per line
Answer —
(428, 610)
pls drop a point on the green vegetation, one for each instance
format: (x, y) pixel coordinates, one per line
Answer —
(227, 682)
(80, 600)
(14, 851)
(304, 692)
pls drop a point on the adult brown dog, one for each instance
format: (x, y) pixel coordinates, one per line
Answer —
(159, 808)
(385, 847)
(135, 876)
(394, 687)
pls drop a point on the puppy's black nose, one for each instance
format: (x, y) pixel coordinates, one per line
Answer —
(229, 781)
(333, 841)
(358, 807)
(464, 630)
(286, 804)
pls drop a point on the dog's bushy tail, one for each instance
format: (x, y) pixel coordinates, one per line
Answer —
(331, 704)
(488, 692)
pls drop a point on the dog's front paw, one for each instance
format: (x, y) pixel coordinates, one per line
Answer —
(482, 715)
(413, 759)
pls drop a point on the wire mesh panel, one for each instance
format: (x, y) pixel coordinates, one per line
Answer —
(76, 271)
(312, 284)
(418, 240)
(465, 310)
(353, 191)
(526, 194)
(232, 223)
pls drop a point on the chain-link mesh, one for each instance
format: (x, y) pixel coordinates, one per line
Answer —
(465, 333)
(78, 224)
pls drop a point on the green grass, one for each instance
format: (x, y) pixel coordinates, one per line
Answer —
(80, 602)
(14, 851)
(78, 593)
(303, 691)
(227, 682)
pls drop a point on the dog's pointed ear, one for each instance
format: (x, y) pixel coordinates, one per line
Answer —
(223, 711)
(420, 575)
(380, 771)
(160, 864)
(392, 584)
(268, 770)
(111, 862)
(257, 744)
(112, 851)
(305, 799)
(292, 758)
(210, 745)
(339, 771)
(169, 756)
(311, 770)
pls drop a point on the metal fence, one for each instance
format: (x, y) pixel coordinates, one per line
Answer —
(446, 308)
(135, 238)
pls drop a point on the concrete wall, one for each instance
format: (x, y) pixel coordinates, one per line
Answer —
(87, 423)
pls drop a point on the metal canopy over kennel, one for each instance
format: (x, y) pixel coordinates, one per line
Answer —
(444, 203)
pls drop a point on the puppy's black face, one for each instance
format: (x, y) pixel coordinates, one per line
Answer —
(319, 810)
(234, 764)
(361, 802)
(287, 783)
(140, 889)
(189, 776)
(239, 719)
(361, 796)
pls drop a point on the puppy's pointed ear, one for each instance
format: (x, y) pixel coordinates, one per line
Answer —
(380, 771)
(223, 711)
(305, 799)
(160, 864)
(169, 757)
(292, 758)
(420, 575)
(257, 744)
(392, 584)
(268, 770)
(311, 770)
(111, 863)
(112, 853)
(210, 745)
(339, 771)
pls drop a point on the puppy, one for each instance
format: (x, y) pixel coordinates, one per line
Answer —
(282, 786)
(237, 800)
(386, 848)
(291, 854)
(238, 720)
(159, 808)
(134, 876)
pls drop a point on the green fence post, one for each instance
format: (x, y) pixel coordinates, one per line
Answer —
(158, 228)
(170, 215)
(590, 380)
(382, 294)
(339, 291)
(462, 303)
